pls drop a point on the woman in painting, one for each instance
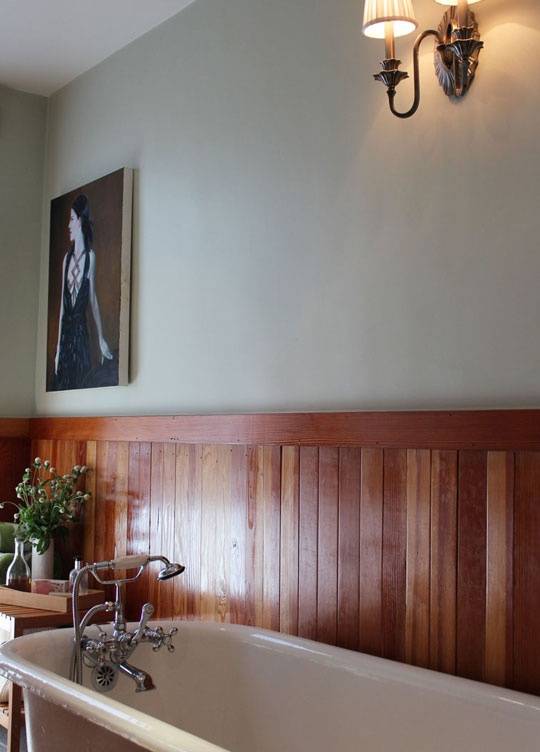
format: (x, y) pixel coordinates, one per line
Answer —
(72, 363)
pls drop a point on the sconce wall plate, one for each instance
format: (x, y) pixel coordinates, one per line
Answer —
(452, 51)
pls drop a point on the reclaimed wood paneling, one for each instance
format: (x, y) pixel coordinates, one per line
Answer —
(410, 535)
(499, 568)
(371, 538)
(418, 557)
(14, 457)
(471, 570)
(527, 572)
(443, 562)
(348, 565)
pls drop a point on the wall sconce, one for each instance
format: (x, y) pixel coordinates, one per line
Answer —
(456, 53)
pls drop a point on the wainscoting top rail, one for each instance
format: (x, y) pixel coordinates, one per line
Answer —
(467, 429)
(14, 428)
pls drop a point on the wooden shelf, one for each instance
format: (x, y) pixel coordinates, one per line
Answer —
(60, 602)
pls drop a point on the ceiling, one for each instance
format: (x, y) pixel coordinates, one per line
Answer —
(45, 44)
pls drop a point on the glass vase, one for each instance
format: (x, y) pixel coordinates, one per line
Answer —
(18, 573)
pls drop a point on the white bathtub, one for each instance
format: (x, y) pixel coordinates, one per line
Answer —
(250, 690)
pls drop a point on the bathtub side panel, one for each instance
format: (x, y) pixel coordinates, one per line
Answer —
(51, 728)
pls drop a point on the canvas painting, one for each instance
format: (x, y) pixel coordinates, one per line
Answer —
(89, 285)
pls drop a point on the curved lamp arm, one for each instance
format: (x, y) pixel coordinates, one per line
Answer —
(392, 89)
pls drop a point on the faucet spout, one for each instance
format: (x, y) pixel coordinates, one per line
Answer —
(142, 680)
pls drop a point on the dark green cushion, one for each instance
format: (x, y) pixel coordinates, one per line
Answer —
(7, 536)
(5, 561)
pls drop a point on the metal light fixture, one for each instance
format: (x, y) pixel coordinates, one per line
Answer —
(456, 52)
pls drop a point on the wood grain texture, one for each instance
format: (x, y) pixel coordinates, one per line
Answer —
(418, 557)
(289, 585)
(394, 546)
(348, 565)
(327, 547)
(371, 547)
(466, 429)
(14, 428)
(527, 572)
(421, 552)
(443, 560)
(14, 457)
(499, 564)
(471, 574)
(308, 536)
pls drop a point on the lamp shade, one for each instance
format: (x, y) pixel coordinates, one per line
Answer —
(377, 13)
(454, 2)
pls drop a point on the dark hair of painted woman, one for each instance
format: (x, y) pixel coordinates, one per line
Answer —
(73, 361)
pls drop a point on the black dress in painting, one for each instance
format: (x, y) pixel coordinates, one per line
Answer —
(74, 363)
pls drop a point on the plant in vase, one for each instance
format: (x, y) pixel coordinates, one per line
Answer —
(48, 502)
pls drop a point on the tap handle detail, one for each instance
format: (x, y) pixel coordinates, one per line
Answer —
(146, 613)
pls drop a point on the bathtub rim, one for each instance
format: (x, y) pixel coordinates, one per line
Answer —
(117, 717)
(102, 710)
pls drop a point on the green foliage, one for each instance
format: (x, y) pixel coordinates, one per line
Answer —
(47, 502)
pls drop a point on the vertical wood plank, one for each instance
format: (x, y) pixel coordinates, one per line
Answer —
(14, 458)
(394, 553)
(162, 520)
(216, 534)
(104, 518)
(89, 515)
(254, 534)
(327, 559)
(527, 572)
(499, 623)
(239, 512)
(471, 583)
(443, 579)
(371, 535)
(349, 548)
(271, 516)
(290, 486)
(138, 520)
(188, 529)
(308, 537)
(121, 499)
(418, 556)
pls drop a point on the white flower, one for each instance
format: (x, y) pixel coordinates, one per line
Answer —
(37, 461)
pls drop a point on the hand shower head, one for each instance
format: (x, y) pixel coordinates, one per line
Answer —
(170, 570)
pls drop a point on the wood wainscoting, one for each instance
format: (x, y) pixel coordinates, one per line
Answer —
(14, 456)
(414, 536)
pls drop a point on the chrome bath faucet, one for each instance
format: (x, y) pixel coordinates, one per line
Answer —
(107, 655)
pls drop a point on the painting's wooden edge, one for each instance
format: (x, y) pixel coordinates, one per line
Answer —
(488, 429)
(14, 428)
(125, 277)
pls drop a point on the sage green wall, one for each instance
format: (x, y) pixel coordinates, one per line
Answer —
(22, 151)
(297, 247)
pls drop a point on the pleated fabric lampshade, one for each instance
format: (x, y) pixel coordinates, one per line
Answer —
(377, 13)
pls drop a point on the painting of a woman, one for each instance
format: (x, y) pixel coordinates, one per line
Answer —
(89, 285)
(72, 363)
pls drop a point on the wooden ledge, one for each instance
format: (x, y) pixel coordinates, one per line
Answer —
(14, 428)
(481, 429)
